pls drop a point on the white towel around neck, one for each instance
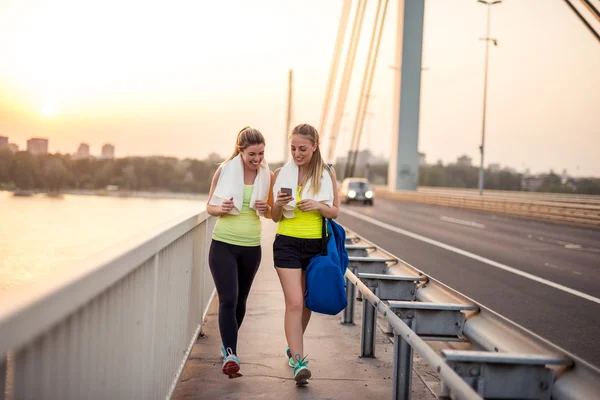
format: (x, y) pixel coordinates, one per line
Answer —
(231, 185)
(288, 177)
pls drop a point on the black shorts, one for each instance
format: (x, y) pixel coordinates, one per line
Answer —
(291, 252)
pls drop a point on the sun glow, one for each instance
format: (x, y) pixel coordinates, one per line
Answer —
(48, 110)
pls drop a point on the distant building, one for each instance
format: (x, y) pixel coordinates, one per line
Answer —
(532, 182)
(422, 161)
(37, 146)
(564, 177)
(83, 152)
(363, 157)
(494, 167)
(464, 161)
(108, 151)
(5, 145)
(572, 183)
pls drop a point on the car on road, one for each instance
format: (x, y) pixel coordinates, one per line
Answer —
(356, 190)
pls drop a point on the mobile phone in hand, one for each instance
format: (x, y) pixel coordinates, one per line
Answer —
(287, 191)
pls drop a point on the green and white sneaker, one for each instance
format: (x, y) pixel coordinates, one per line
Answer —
(223, 352)
(301, 372)
(288, 353)
(231, 364)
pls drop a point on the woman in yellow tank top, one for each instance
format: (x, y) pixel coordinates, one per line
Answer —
(235, 251)
(299, 239)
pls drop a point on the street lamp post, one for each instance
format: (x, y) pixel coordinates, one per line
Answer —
(487, 39)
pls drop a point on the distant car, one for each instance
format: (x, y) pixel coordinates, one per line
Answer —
(356, 189)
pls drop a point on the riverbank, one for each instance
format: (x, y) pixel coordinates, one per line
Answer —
(132, 194)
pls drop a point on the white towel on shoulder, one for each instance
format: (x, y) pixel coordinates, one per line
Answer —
(231, 185)
(288, 178)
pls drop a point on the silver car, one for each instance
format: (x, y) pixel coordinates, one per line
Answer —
(356, 190)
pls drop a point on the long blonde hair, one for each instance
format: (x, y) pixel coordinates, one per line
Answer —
(316, 165)
(246, 137)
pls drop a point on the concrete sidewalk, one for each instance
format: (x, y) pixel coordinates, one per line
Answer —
(333, 350)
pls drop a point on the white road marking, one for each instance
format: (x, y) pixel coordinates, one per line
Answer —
(536, 249)
(471, 255)
(562, 269)
(567, 245)
(462, 222)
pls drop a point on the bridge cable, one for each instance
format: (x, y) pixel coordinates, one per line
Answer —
(346, 77)
(335, 62)
(360, 120)
(361, 98)
(582, 19)
(591, 8)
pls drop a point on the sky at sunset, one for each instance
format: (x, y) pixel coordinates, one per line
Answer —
(181, 78)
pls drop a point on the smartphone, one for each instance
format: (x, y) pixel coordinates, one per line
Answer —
(287, 191)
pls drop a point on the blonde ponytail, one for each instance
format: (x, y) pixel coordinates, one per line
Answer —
(246, 137)
(316, 165)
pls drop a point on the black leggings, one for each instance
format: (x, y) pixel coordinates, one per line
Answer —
(233, 269)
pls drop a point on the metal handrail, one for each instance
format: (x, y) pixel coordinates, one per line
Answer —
(451, 378)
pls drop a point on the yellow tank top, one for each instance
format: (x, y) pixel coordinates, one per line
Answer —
(241, 230)
(306, 225)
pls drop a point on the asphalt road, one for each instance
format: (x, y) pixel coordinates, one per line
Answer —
(478, 253)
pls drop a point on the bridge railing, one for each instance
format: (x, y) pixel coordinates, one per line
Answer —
(587, 215)
(121, 328)
(503, 359)
(517, 194)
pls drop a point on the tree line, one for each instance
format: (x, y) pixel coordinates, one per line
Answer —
(462, 176)
(55, 172)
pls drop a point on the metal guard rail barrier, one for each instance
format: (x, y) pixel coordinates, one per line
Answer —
(505, 361)
(507, 194)
(577, 214)
(402, 365)
(120, 329)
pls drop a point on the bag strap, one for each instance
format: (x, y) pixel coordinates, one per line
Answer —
(324, 226)
(324, 237)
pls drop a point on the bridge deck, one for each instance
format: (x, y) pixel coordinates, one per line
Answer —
(333, 350)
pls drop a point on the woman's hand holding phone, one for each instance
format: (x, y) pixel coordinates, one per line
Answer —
(284, 196)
